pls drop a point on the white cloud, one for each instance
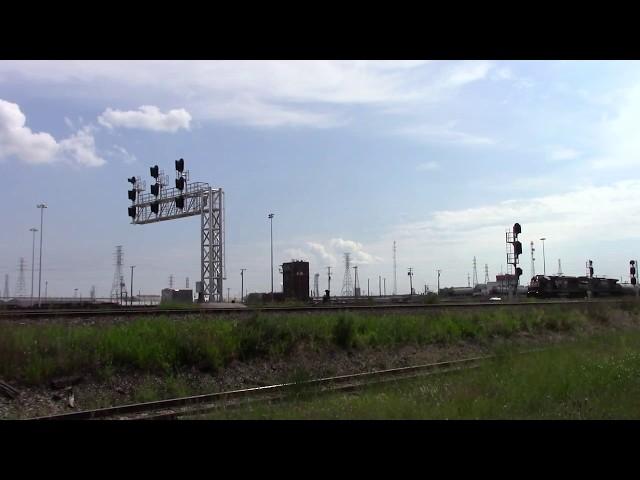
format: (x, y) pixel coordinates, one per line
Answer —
(444, 133)
(428, 166)
(16, 139)
(261, 93)
(147, 117)
(127, 157)
(331, 252)
(81, 147)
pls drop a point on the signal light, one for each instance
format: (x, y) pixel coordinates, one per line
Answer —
(633, 280)
(591, 272)
(518, 272)
(132, 195)
(180, 183)
(516, 229)
(517, 248)
(155, 206)
(632, 270)
(132, 212)
(132, 180)
(180, 202)
(180, 165)
(154, 171)
(155, 189)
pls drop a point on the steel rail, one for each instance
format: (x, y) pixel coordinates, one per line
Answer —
(318, 308)
(212, 399)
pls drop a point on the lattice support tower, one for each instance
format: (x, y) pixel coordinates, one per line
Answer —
(21, 289)
(5, 292)
(486, 273)
(117, 274)
(347, 283)
(186, 200)
(316, 285)
(475, 272)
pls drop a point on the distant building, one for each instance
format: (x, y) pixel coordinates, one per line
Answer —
(295, 279)
(170, 295)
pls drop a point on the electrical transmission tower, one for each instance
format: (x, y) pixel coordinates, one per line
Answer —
(559, 268)
(186, 283)
(117, 275)
(185, 200)
(5, 292)
(486, 273)
(92, 292)
(171, 282)
(395, 281)
(347, 285)
(475, 272)
(316, 285)
(468, 280)
(20, 286)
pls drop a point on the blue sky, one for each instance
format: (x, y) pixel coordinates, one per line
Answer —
(440, 156)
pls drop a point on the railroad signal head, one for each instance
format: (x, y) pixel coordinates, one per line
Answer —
(632, 271)
(132, 195)
(132, 212)
(180, 183)
(517, 248)
(632, 262)
(591, 271)
(132, 180)
(518, 272)
(180, 202)
(633, 280)
(180, 165)
(155, 189)
(516, 229)
(155, 207)
(154, 171)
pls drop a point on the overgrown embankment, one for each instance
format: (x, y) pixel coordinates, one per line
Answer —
(35, 353)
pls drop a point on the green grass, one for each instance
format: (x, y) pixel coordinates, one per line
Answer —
(36, 353)
(596, 378)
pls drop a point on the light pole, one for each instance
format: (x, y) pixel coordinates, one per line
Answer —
(410, 281)
(33, 258)
(544, 262)
(439, 282)
(271, 218)
(242, 270)
(131, 286)
(41, 206)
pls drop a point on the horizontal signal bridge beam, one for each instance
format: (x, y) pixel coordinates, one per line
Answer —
(194, 204)
(170, 194)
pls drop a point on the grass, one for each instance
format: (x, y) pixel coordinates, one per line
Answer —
(596, 378)
(37, 353)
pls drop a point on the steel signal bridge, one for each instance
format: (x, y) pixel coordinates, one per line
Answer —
(186, 200)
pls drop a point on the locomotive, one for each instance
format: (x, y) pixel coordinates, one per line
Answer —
(549, 286)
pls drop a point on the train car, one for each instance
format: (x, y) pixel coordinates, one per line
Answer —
(550, 286)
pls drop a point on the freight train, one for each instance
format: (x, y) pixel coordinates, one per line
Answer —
(550, 286)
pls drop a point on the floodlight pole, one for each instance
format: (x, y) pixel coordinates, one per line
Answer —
(41, 206)
(271, 218)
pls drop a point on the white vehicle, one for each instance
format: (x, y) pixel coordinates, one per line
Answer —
(495, 299)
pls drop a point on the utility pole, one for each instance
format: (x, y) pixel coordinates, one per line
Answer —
(131, 286)
(544, 260)
(242, 270)
(395, 280)
(33, 258)
(439, 281)
(41, 206)
(384, 284)
(379, 285)
(329, 280)
(410, 281)
(368, 294)
(228, 293)
(271, 219)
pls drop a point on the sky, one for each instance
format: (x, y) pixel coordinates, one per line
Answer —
(440, 156)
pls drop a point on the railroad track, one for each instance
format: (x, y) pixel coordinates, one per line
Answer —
(176, 408)
(154, 311)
